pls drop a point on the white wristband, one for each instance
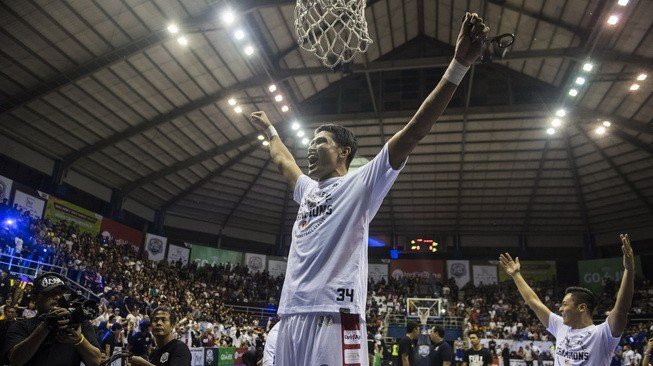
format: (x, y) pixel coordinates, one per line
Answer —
(455, 72)
(271, 132)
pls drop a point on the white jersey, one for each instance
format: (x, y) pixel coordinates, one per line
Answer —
(270, 346)
(327, 263)
(591, 346)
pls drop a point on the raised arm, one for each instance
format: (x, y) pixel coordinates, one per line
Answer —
(468, 48)
(513, 269)
(280, 154)
(618, 317)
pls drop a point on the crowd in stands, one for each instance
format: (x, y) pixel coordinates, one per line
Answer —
(129, 287)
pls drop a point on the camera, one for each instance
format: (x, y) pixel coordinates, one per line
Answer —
(81, 310)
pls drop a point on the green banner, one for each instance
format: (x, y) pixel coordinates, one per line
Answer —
(591, 272)
(88, 221)
(533, 271)
(213, 256)
(226, 356)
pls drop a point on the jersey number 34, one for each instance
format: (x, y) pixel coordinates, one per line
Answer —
(345, 293)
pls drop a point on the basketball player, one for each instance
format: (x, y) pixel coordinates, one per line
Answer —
(270, 346)
(578, 340)
(323, 300)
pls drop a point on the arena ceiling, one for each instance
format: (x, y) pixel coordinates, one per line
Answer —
(105, 89)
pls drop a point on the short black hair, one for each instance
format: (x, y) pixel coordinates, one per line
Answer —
(439, 330)
(410, 327)
(343, 137)
(582, 295)
(165, 309)
(477, 333)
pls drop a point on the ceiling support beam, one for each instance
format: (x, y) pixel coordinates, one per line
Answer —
(536, 185)
(582, 205)
(633, 140)
(216, 173)
(643, 199)
(242, 197)
(205, 155)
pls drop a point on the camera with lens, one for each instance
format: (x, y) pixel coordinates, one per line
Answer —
(80, 310)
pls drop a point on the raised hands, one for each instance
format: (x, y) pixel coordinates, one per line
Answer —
(627, 249)
(509, 265)
(261, 120)
(470, 39)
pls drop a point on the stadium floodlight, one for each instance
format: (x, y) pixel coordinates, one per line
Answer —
(607, 124)
(272, 88)
(172, 28)
(239, 34)
(550, 131)
(556, 122)
(600, 130)
(588, 67)
(228, 17)
(573, 92)
(580, 80)
(641, 77)
(238, 109)
(261, 137)
(561, 113)
(613, 19)
(295, 126)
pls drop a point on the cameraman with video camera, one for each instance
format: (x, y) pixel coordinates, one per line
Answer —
(55, 337)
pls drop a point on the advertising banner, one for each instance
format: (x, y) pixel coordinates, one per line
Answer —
(120, 232)
(211, 356)
(377, 272)
(197, 356)
(155, 246)
(591, 272)
(485, 275)
(88, 221)
(534, 271)
(255, 262)
(277, 268)
(460, 272)
(29, 203)
(213, 256)
(175, 253)
(5, 188)
(417, 267)
(226, 355)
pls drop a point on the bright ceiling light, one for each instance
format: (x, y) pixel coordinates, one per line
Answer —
(272, 88)
(278, 97)
(295, 126)
(285, 108)
(249, 50)
(300, 133)
(265, 143)
(182, 40)
(561, 113)
(606, 124)
(261, 137)
(580, 80)
(588, 67)
(239, 34)
(305, 141)
(641, 77)
(238, 109)
(551, 131)
(613, 19)
(573, 92)
(600, 130)
(622, 2)
(634, 87)
(231, 101)
(228, 17)
(556, 122)
(172, 28)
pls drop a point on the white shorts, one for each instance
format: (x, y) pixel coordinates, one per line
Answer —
(322, 339)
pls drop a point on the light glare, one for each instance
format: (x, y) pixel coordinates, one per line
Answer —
(613, 19)
(588, 67)
(239, 34)
(556, 122)
(173, 29)
(641, 77)
(295, 126)
(300, 133)
(278, 98)
(228, 17)
(561, 113)
(238, 109)
(272, 88)
(634, 87)
(607, 123)
(182, 40)
(231, 101)
(266, 143)
(261, 137)
(249, 50)
(285, 108)
(580, 80)
(622, 2)
(600, 130)
(551, 131)
(305, 141)
(573, 92)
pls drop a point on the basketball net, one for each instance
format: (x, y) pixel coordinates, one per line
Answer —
(423, 314)
(334, 30)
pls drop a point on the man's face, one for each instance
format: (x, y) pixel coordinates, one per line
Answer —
(473, 339)
(324, 155)
(569, 311)
(161, 325)
(46, 301)
(435, 337)
(11, 313)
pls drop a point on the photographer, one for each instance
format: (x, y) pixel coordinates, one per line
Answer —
(49, 339)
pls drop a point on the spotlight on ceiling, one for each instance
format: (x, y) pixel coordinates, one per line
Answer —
(172, 28)
(238, 109)
(272, 88)
(561, 113)
(305, 141)
(239, 34)
(580, 80)
(588, 67)
(228, 17)
(278, 97)
(261, 137)
(556, 122)
(573, 92)
(550, 131)
(265, 143)
(641, 77)
(295, 126)
(600, 130)
(249, 50)
(231, 101)
(182, 40)
(300, 133)
(634, 87)
(613, 19)
(285, 108)
(607, 124)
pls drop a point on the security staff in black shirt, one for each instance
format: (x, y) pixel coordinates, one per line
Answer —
(442, 354)
(168, 352)
(48, 339)
(140, 342)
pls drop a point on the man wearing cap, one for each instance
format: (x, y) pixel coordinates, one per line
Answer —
(47, 338)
